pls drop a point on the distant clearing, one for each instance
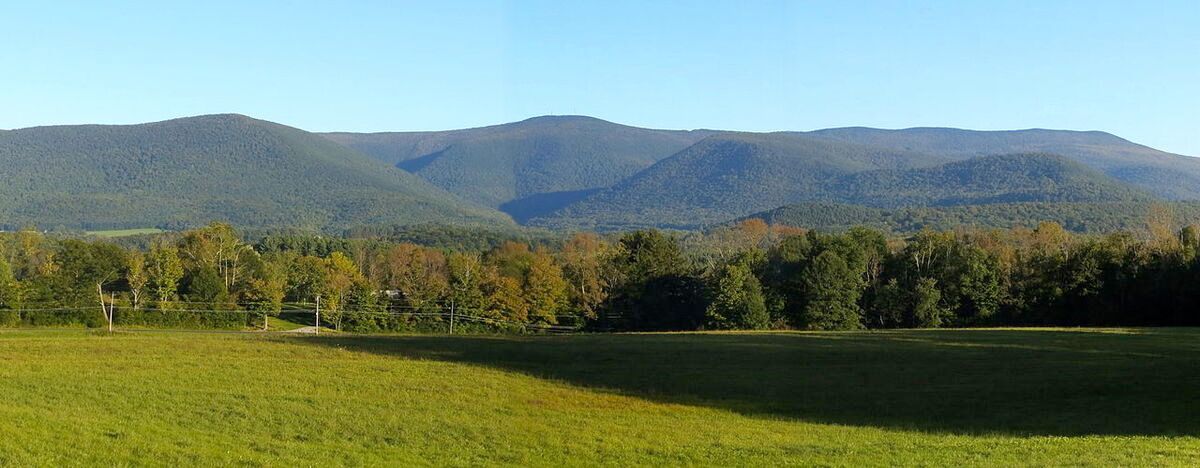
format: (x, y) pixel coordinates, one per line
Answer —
(126, 232)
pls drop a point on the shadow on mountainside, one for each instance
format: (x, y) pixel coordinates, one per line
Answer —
(1020, 382)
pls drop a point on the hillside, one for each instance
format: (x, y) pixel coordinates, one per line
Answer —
(732, 175)
(573, 171)
(192, 170)
(554, 171)
(528, 167)
(983, 180)
(1101, 217)
(1167, 175)
(729, 175)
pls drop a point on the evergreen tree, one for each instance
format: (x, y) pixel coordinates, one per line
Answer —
(783, 279)
(655, 290)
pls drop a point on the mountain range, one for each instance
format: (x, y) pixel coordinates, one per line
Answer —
(188, 171)
(712, 176)
(1094, 217)
(1170, 176)
(525, 168)
(564, 172)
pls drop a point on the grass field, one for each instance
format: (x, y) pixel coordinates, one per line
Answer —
(288, 321)
(954, 397)
(125, 232)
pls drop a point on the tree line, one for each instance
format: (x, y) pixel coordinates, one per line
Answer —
(747, 276)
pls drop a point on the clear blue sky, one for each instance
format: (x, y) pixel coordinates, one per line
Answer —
(1131, 68)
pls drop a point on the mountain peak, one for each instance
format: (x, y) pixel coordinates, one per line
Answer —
(192, 170)
(216, 118)
(565, 121)
(563, 118)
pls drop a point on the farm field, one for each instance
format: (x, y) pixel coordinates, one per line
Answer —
(125, 232)
(946, 397)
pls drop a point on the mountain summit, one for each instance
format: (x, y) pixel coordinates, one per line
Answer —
(546, 160)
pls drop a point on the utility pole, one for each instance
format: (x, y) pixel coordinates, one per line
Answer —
(452, 316)
(318, 329)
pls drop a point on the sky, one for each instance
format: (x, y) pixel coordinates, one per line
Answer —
(1129, 68)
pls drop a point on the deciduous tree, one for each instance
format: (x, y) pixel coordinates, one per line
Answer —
(737, 300)
(164, 269)
(832, 290)
(545, 289)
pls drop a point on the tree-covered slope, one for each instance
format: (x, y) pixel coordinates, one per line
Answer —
(525, 167)
(573, 171)
(1101, 217)
(192, 170)
(1165, 174)
(733, 175)
(729, 175)
(983, 180)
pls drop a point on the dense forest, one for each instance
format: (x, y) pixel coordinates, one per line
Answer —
(750, 275)
(721, 179)
(578, 172)
(182, 173)
(564, 173)
(1088, 218)
(726, 176)
(543, 156)
(1169, 176)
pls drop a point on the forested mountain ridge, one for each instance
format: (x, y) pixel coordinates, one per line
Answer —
(1167, 175)
(397, 147)
(555, 171)
(1088, 217)
(192, 170)
(572, 171)
(726, 174)
(732, 175)
(535, 164)
(1006, 178)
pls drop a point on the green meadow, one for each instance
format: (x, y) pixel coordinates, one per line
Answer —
(1100, 397)
(114, 233)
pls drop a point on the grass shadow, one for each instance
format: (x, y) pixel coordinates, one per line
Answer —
(1022, 382)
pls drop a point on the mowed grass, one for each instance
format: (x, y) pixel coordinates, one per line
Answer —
(288, 322)
(954, 397)
(125, 232)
